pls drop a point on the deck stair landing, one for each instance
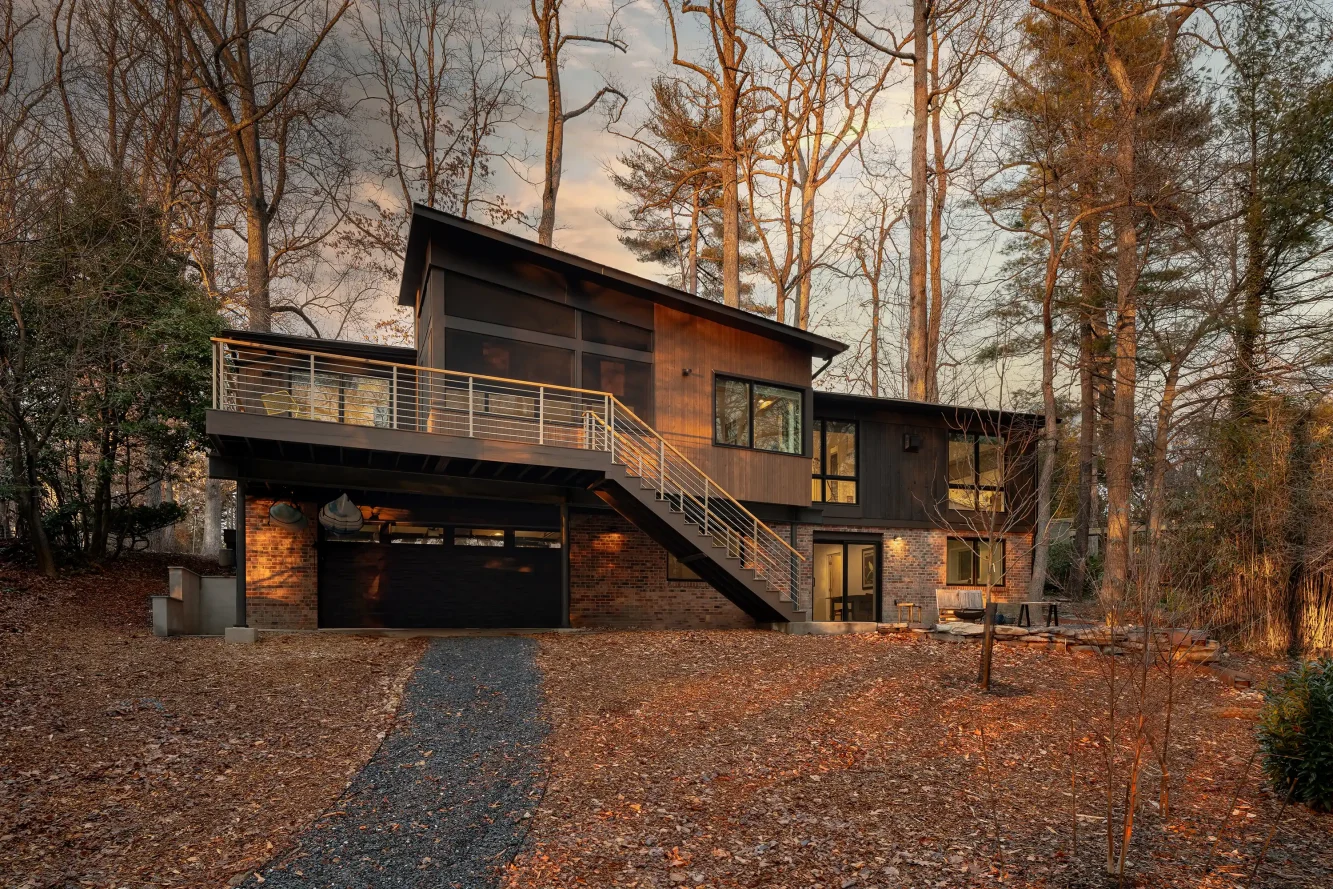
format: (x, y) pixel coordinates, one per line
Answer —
(644, 478)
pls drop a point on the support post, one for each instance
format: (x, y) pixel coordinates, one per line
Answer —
(611, 426)
(470, 381)
(541, 415)
(240, 552)
(311, 399)
(564, 563)
(393, 399)
(217, 368)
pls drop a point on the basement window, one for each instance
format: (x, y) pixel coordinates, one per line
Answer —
(974, 562)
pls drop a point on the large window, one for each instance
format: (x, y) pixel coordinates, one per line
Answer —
(833, 462)
(976, 472)
(630, 381)
(974, 562)
(757, 415)
(495, 356)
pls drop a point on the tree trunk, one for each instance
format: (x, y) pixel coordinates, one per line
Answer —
(28, 497)
(249, 156)
(692, 261)
(940, 194)
(1157, 482)
(806, 252)
(1252, 288)
(555, 148)
(1087, 432)
(1120, 447)
(1050, 434)
(212, 542)
(729, 101)
(874, 339)
(917, 314)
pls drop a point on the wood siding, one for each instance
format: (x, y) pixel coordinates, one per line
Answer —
(685, 403)
(911, 488)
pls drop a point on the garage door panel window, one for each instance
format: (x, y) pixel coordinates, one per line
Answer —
(418, 534)
(537, 539)
(478, 537)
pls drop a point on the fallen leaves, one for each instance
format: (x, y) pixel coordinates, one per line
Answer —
(131, 760)
(748, 759)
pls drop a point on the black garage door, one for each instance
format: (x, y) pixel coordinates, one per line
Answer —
(447, 577)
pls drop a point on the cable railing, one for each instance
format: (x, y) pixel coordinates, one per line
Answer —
(309, 385)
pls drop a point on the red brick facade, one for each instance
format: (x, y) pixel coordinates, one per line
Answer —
(618, 578)
(913, 564)
(281, 566)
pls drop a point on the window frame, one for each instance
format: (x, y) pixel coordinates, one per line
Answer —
(976, 487)
(750, 384)
(975, 544)
(695, 579)
(820, 425)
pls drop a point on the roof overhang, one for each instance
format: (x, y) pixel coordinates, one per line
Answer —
(428, 222)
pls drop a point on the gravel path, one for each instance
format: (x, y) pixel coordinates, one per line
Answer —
(445, 800)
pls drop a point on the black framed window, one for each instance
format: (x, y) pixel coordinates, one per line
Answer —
(748, 414)
(833, 458)
(971, 561)
(976, 472)
(678, 570)
(630, 381)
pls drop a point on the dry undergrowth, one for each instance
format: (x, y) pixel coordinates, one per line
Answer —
(754, 759)
(127, 760)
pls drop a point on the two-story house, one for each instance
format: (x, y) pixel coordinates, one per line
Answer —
(571, 445)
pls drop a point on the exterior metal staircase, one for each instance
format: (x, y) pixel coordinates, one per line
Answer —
(644, 478)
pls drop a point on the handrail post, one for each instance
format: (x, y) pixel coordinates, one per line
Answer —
(312, 387)
(217, 366)
(393, 399)
(611, 427)
(661, 466)
(541, 415)
(469, 407)
(705, 504)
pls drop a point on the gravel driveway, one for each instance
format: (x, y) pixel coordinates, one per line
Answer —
(445, 800)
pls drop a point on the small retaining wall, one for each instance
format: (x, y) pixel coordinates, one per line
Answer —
(195, 605)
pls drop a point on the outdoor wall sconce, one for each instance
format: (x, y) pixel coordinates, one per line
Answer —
(685, 372)
(911, 442)
(287, 515)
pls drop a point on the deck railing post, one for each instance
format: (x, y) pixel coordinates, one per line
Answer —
(705, 504)
(469, 407)
(661, 466)
(393, 399)
(312, 387)
(217, 366)
(611, 429)
(541, 415)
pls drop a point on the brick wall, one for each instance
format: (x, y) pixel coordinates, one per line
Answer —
(913, 566)
(617, 578)
(281, 568)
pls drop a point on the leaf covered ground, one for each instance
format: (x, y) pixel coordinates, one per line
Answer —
(128, 760)
(747, 759)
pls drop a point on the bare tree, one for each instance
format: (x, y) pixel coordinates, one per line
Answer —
(248, 63)
(821, 95)
(728, 78)
(443, 77)
(552, 42)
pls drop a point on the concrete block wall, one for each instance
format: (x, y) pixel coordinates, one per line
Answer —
(281, 570)
(618, 578)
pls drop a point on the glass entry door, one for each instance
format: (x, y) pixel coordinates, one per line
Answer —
(846, 581)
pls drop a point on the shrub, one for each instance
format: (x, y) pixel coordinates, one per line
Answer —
(1296, 734)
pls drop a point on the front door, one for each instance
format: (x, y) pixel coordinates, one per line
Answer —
(846, 581)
